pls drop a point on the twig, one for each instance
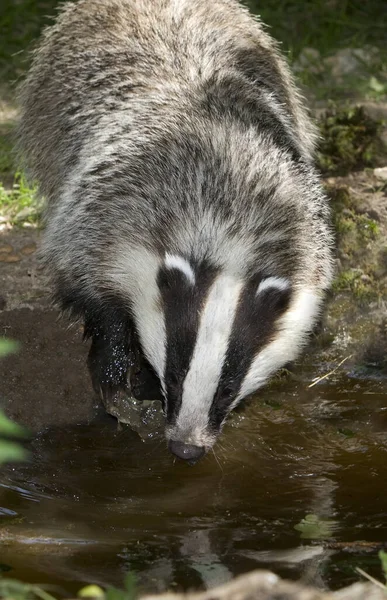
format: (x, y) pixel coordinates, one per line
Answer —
(370, 578)
(330, 372)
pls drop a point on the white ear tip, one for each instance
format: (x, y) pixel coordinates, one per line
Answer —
(278, 283)
(172, 261)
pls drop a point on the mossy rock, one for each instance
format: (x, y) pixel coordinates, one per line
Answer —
(350, 141)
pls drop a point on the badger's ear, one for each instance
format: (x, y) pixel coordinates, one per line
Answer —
(175, 270)
(273, 294)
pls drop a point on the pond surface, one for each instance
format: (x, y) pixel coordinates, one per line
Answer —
(95, 502)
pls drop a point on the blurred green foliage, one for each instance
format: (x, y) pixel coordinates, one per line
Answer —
(10, 450)
(17, 590)
(324, 24)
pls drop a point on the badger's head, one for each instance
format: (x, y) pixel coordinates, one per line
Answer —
(213, 338)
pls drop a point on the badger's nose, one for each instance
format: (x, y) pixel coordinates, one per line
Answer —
(185, 451)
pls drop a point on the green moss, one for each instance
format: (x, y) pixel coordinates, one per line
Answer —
(358, 239)
(354, 230)
(344, 225)
(350, 141)
(368, 229)
(383, 259)
(361, 286)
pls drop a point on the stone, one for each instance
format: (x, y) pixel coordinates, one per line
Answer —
(29, 249)
(264, 585)
(349, 61)
(381, 173)
(9, 258)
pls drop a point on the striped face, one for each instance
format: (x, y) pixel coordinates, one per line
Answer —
(223, 338)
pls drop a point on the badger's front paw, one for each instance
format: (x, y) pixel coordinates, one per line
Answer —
(108, 367)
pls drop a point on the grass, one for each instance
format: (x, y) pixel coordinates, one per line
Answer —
(19, 204)
(21, 22)
(324, 25)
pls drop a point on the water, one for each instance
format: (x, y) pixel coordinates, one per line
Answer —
(95, 502)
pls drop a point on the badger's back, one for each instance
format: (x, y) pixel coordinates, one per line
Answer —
(147, 63)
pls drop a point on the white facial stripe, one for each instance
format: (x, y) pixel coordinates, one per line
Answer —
(178, 262)
(279, 283)
(207, 361)
(294, 326)
(134, 272)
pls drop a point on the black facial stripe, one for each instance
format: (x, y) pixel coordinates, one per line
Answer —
(182, 305)
(253, 328)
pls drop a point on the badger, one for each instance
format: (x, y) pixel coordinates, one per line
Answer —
(184, 218)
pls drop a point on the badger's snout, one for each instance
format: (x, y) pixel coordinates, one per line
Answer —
(186, 451)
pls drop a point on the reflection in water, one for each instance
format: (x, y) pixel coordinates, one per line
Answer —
(96, 502)
(196, 548)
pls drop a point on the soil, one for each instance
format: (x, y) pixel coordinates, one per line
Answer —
(46, 383)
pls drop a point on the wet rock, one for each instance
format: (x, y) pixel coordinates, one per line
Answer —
(375, 353)
(376, 110)
(263, 585)
(143, 416)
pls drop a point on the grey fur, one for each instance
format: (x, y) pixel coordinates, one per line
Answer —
(171, 126)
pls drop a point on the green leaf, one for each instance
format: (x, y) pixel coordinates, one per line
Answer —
(383, 559)
(130, 583)
(376, 85)
(11, 588)
(8, 346)
(17, 590)
(91, 591)
(40, 593)
(129, 593)
(11, 452)
(314, 528)
(113, 593)
(8, 427)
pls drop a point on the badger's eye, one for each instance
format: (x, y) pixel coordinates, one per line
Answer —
(172, 379)
(226, 393)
